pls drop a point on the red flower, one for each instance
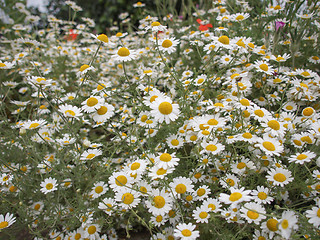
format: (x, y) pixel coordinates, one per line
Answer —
(203, 27)
(71, 36)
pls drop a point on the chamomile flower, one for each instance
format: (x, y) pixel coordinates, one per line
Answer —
(106, 111)
(168, 45)
(313, 215)
(90, 154)
(175, 141)
(124, 55)
(92, 104)
(163, 110)
(156, 27)
(48, 185)
(181, 185)
(166, 160)
(70, 111)
(5, 178)
(271, 227)
(279, 176)
(237, 196)
(213, 204)
(91, 231)
(157, 172)
(84, 69)
(302, 157)
(160, 202)
(287, 223)
(119, 180)
(202, 192)
(253, 212)
(271, 146)
(39, 81)
(201, 214)
(35, 124)
(6, 220)
(127, 198)
(264, 67)
(261, 195)
(212, 147)
(107, 205)
(186, 231)
(98, 189)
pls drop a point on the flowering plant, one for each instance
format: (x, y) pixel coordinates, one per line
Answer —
(182, 132)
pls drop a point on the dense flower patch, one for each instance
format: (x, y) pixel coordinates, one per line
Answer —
(191, 131)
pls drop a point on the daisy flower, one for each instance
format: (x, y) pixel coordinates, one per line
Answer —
(39, 81)
(124, 55)
(70, 111)
(186, 231)
(99, 189)
(237, 196)
(271, 146)
(264, 67)
(106, 111)
(229, 180)
(313, 215)
(213, 204)
(158, 221)
(279, 176)
(119, 180)
(48, 185)
(253, 212)
(5, 178)
(261, 195)
(90, 154)
(91, 231)
(270, 227)
(212, 147)
(107, 205)
(84, 69)
(166, 160)
(168, 45)
(164, 110)
(6, 65)
(34, 124)
(202, 192)
(127, 198)
(92, 104)
(175, 141)
(239, 17)
(157, 172)
(181, 185)
(201, 214)
(200, 79)
(160, 202)
(156, 27)
(7, 220)
(287, 223)
(302, 158)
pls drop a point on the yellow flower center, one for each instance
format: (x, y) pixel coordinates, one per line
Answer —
(119, 34)
(161, 171)
(92, 101)
(70, 113)
(165, 108)
(103, 38)
(264, 67)
(4, 224)
(90, 156)
(279, 177)
(84, 67)
(247, 135)
(212, 122)
(285, 224)
(252, 214)
(155, 24)
(211, 147)
(49, 186)
(203, 215)
(181, 188)
(159, 218)
(235, 196)
(239, 18)
(224, 40)
(2, 64)
(272, 225)
(201, 192)
(259, 113)
(121, 180)
(280, 59)
(98, 189)
(102, 110)
(159, 201)
(262, 195)
(308, 111)
(167, 43)
(230, 182)
(212, 206)
(127, 198)
(318, 213)
(241, 165)
(123, 52)
(301, 156)
(305, 74)
(269, 146)
(33, 125)
(186, 232)
(165, 157)
(200, 80)
(101, 86)
(245, 102)
(275, 125)
(174, 142)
